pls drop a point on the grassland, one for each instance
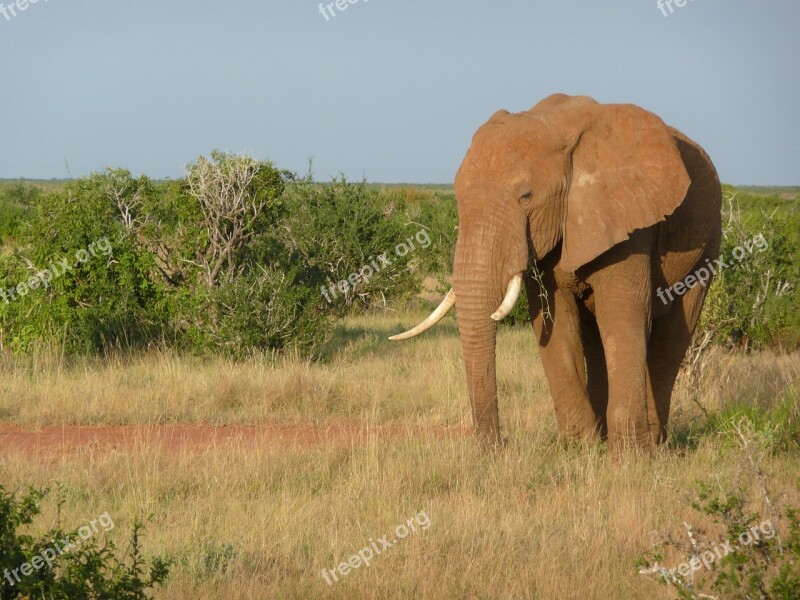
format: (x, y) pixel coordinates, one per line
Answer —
(786, 192)
(539, 519)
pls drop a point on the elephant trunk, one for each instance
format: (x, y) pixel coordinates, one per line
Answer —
(475, 303)
(491, 253)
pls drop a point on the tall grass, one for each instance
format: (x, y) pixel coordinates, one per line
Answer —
(539, 519)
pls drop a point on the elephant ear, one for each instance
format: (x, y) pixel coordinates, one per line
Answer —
(626, 174)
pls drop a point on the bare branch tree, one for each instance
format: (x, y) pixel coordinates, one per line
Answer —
(230, 205)
(127, 200)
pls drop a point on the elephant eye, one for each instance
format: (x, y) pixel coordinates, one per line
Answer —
(526, 197)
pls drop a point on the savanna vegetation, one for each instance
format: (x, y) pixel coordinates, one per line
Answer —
(231, 259)
(261, 518)
(234, 257)
(209, 310)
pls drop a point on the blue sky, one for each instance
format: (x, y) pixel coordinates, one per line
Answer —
(390, 90)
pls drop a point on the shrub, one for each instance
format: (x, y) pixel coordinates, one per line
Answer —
(101, 293)
(234, 284)
(754, 302)
(87, 570)
(338, 229)
(270, 308)
(437, 212)
(753, 560)
(16, 201)
(198, 263)
(226, 260)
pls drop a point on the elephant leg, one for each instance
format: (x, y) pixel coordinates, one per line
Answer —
(561, 351)
(596, 370)
(622, 307)
(670, 338)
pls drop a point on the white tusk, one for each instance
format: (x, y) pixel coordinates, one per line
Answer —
(436, 316)
(512, 293)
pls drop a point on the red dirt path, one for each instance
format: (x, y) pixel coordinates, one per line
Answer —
(56, 440)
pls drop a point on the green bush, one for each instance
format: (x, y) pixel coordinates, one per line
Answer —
(270, 308)
(86, 570)
(236, 257)
(226, 295)
(437, 212)
(753, 303)
(95, 285)
(752, 560)
(198, 263)
(339, 231)
(757, 554)
(16, 200)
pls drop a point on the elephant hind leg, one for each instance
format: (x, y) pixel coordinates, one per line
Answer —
(670, 338)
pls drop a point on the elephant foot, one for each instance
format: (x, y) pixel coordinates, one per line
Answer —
(658, 433)
(489, 439)
(628, 431)
(623, 444)
(586, 432)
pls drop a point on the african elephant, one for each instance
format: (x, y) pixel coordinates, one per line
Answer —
(612, 207)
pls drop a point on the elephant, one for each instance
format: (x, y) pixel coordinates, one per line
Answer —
(599, 209)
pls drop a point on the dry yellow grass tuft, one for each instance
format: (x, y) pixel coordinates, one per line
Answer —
(539, 519)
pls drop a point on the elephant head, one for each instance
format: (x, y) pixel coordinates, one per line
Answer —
(571, 176)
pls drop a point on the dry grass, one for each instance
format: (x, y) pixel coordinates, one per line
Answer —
(540, 519)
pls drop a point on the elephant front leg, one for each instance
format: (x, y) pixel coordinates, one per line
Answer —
(562, 356)
(622, 309)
